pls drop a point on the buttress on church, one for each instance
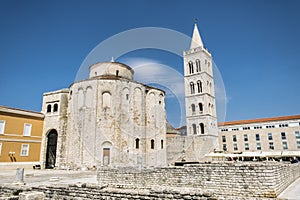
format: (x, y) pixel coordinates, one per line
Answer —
(111, 120)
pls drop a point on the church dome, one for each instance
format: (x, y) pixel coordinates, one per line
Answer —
(107, 69)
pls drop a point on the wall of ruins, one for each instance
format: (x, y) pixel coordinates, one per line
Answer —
(190, 148)
(86, 192)
(266, 180)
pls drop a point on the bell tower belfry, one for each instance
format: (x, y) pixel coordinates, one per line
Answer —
(200, 103)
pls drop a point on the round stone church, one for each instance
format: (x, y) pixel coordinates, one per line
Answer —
(106, 120)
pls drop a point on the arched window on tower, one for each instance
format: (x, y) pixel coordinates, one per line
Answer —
(199, 85)
(192, 88)
(191, 67)
(209, 108)
(152, 144)
(194, 129)
(202, 128)
(49, 108)
(193, 108)
(55, 107)
(200, 107)
(137, 143)
(198, 65)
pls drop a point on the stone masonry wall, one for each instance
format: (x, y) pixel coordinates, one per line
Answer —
(86, 192)
(265, 180)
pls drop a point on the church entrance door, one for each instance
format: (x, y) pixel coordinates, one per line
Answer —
(106, 156)
(51, 149)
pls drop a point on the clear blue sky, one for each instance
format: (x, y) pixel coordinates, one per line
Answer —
(255, 45)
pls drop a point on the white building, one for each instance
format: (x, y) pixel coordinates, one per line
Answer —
(275, 137)
(106, 120)
(200, 105)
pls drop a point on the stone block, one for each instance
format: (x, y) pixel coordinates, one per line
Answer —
(32, 196)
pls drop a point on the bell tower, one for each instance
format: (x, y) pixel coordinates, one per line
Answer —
(200, 103)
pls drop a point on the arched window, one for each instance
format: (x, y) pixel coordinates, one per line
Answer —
(194, 129)
(137, 143)
(161, 144)
(209, 108)
(198, 65)
(152, 144)
(193, 108)
(48, 108)
(199, 85)
(202, 128)
(191, 67)
(55, 107)
(200, 107)
(106, 100)
(117, 73)
(192, 88)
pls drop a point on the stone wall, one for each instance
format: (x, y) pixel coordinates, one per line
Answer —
(85, 192)
(190, 148)
(264, 180)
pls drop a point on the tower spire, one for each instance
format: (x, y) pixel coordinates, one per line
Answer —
(196, 39)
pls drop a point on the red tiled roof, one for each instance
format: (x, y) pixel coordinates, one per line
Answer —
(250, 121)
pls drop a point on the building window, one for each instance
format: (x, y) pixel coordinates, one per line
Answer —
(117, 73)
(127, 96)
(199, 85)
(202, 128)
(246, 146)
(224, 147)
(258, 146)
(257, 137)
(161, 144)
(200, 107)
(234, 138)
(106, 100)
(194, 129)
(192, 85)
(298, 144)
(245, 137)
(223, 138)
(2, 126)
(0, 148)
(284, 145)
(27, 130)
(152, 144)
(283, 136)
(193, 108)
(270, 137)
(55, 107)
(191, 67)
(235, 148)
(25, 150)
(271, 145)
(137, 143)
(48, 108)
(297, 134)
(198, 66)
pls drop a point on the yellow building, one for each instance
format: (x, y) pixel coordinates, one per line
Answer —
(20, 137)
